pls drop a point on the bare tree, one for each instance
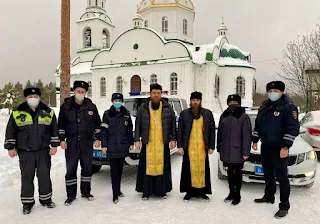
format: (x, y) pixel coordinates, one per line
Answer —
(65, 51)
(300, 55)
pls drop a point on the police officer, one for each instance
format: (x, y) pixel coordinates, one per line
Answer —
(277, 126)
(31, 129)
(116, 137)
(79, 125)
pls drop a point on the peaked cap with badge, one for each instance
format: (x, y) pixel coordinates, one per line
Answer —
(80, 84)
(32, 91)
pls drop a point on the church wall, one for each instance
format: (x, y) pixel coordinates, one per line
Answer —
(150, 47)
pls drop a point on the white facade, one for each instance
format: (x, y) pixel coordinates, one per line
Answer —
(142, 55)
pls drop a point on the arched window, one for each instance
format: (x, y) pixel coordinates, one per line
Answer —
(90, 89)
(146, 23)
(153, 79)
(254, 86)
(119, 84)
(96, 2)
(105, 39)
(102, 5)
(87, 37)
(185, 27)
(216, 86)
(174, 84)
(165, 24)
(103, 87)
(135, 84)
(240, 86)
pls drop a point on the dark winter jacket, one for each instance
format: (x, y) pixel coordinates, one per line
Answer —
(116, 132)
(142, 123)
(78, 121)
(32, 133)
(185, 126)
(234, 136)
(277, 123)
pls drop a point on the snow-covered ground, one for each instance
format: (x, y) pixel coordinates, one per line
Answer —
(131, 209)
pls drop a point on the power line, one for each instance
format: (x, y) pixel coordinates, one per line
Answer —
(274, 59)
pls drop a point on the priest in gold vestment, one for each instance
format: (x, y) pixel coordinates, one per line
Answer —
(155, 134)
(196, 140)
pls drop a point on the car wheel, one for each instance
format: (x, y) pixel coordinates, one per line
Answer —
(96, 168)
(220, 174)
(309, 185)
(318, 155)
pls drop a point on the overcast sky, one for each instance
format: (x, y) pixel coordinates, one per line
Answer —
(30, 31)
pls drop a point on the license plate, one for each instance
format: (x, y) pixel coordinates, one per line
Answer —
(99, 154)
(258, 170)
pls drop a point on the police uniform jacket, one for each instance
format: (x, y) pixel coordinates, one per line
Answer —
(32, 130)
(277, 123)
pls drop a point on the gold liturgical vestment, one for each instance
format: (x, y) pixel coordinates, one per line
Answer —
(197, 154)
(155, 147)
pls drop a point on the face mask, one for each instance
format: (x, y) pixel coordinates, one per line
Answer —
(79, 97)
(274, 96)
(33, 102)
(232, 107)
(117, 105)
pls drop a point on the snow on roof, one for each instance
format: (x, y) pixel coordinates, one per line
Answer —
(199, 52)
(235, 62)
(230, 46)
(81, 68)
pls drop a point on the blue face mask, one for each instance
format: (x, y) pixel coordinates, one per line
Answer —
(117, 105)
(274, 96)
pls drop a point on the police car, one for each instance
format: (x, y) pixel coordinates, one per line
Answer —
(302, 162)
(133, 103)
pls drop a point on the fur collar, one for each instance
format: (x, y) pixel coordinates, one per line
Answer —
(237, 113)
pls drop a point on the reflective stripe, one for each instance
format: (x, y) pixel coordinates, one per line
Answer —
(24, 124)
(10, 140)
(27, 198)
(61, 131)
(255, 134)
(27, 201)
(288, 139)
(289, 136)
(55, 141)
(45, 197)
(71, 180)
(97, 131)
(85, 180)
(104, 125)
(54, 137)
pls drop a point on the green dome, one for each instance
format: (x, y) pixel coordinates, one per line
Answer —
(233, 53)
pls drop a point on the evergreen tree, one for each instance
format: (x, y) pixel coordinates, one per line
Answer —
(9, 96)
(28, 84)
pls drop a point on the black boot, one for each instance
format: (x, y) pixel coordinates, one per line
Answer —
(187, 198)
(121, 194)
(145, 198)
(231, 182)
(264, 200)
(88, 196)
(49, 204)
(69, 201)
(115, 199)
(26, 209)
(238, 184)
(205, 197)
(281, 214)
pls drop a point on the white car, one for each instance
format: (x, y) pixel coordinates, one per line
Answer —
(133, 103)
(310, 127)
(302, 163)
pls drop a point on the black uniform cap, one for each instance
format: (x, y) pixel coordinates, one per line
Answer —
(276, 85)
(196, 95)
(32, 91)
(80, 84)
(234, 97)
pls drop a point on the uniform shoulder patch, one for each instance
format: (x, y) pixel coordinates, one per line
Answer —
(295, 114)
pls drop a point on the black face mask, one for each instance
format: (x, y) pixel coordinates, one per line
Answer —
(234, 106)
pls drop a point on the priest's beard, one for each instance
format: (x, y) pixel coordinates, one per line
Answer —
(196, 107)
(155, 102)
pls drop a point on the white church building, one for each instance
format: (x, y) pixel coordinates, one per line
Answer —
(158, 48)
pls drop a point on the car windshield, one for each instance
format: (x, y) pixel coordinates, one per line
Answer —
(134, 104)
(253, 119)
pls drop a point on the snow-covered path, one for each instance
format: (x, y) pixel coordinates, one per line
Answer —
(131, 209)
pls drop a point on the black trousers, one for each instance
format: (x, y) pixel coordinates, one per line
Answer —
(78, 150)
(32, 162)
(116, 166)
(275, 168)
(235, 178)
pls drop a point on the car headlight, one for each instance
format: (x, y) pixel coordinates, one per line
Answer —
(301, 158)
(311, 155)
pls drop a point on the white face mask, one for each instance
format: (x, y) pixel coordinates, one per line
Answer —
(33, 102)
(79, 97)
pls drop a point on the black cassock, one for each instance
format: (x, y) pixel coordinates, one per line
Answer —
(185, 181)
(154, 185)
